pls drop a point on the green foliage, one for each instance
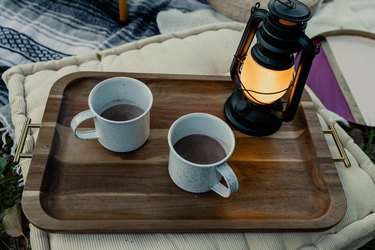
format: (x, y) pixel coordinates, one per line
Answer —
(11, 187)
(364, 137)
(99, 56)
(10, 182)
(370, 145)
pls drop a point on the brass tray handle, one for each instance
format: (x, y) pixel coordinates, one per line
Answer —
(21, 143)
(343, 157)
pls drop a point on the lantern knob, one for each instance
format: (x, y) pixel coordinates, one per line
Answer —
(290, 10)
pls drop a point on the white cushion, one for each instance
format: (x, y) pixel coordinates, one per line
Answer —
(205, 50)
(240, 9)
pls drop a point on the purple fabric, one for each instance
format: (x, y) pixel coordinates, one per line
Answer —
(323, 83)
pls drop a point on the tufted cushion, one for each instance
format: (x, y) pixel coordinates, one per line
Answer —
(239, 10)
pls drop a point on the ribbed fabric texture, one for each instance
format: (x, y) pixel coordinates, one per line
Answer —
(147, 241)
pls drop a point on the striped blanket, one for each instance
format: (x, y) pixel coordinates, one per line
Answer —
(41, 30)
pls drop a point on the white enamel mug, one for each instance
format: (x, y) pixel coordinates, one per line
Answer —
(117, 136)
(199, 178)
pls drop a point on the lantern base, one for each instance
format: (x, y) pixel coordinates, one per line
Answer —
(249, 118)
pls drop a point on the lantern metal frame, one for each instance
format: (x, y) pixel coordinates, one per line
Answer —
(275, 49)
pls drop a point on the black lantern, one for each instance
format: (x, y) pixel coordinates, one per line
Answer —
(268, 83)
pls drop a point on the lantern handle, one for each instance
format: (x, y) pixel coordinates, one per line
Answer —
(309, 50)
(256, 17)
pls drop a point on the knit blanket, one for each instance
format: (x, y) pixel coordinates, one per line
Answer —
(42, 30)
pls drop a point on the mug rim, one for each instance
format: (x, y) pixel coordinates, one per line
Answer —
(200, 114)
(136, 81)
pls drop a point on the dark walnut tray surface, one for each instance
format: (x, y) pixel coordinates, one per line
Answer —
(287, 181)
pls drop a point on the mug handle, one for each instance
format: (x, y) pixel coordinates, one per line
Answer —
(230, 178)
(77, 120)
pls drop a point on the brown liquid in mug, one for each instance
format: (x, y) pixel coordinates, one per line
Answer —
(122, 112)
(200, 149)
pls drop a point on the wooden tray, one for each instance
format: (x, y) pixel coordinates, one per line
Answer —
(287, 181)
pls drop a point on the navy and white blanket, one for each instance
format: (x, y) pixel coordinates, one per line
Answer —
(41, 30)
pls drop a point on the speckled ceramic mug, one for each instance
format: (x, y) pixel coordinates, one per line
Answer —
(195, 177)
(117, 135)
